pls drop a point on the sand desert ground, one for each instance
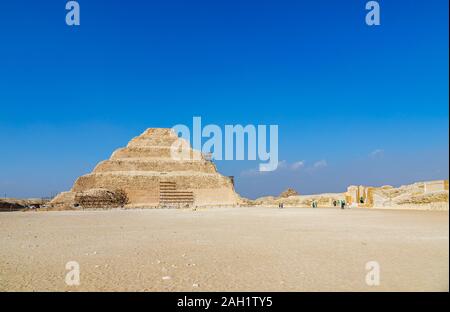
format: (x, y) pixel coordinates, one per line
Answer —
(225, 249)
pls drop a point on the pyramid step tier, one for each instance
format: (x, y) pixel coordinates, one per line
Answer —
(149, 164)
(150, 180)
(148, 141)
(154, 152)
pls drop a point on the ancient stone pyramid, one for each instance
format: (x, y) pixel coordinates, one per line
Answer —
(151, 177)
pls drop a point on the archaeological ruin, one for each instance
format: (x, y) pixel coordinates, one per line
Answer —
(148, 174)
(146, 171)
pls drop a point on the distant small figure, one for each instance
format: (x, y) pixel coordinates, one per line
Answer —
(280, 205)
(342, 204)
(334, 203)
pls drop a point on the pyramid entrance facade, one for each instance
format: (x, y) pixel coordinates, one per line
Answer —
(146, 171)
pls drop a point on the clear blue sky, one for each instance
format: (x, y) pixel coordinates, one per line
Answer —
(356, 104)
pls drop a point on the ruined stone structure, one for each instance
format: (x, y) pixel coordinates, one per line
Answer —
(435, 186)
(359, 195)
(419, 195)
(151, 177)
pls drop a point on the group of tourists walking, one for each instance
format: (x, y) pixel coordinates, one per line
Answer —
(339, 203)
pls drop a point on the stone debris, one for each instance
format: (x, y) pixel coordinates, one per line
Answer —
(14, 204)
(430, 195)
(289, 192)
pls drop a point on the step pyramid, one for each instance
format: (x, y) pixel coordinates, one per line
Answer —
(151, 177)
